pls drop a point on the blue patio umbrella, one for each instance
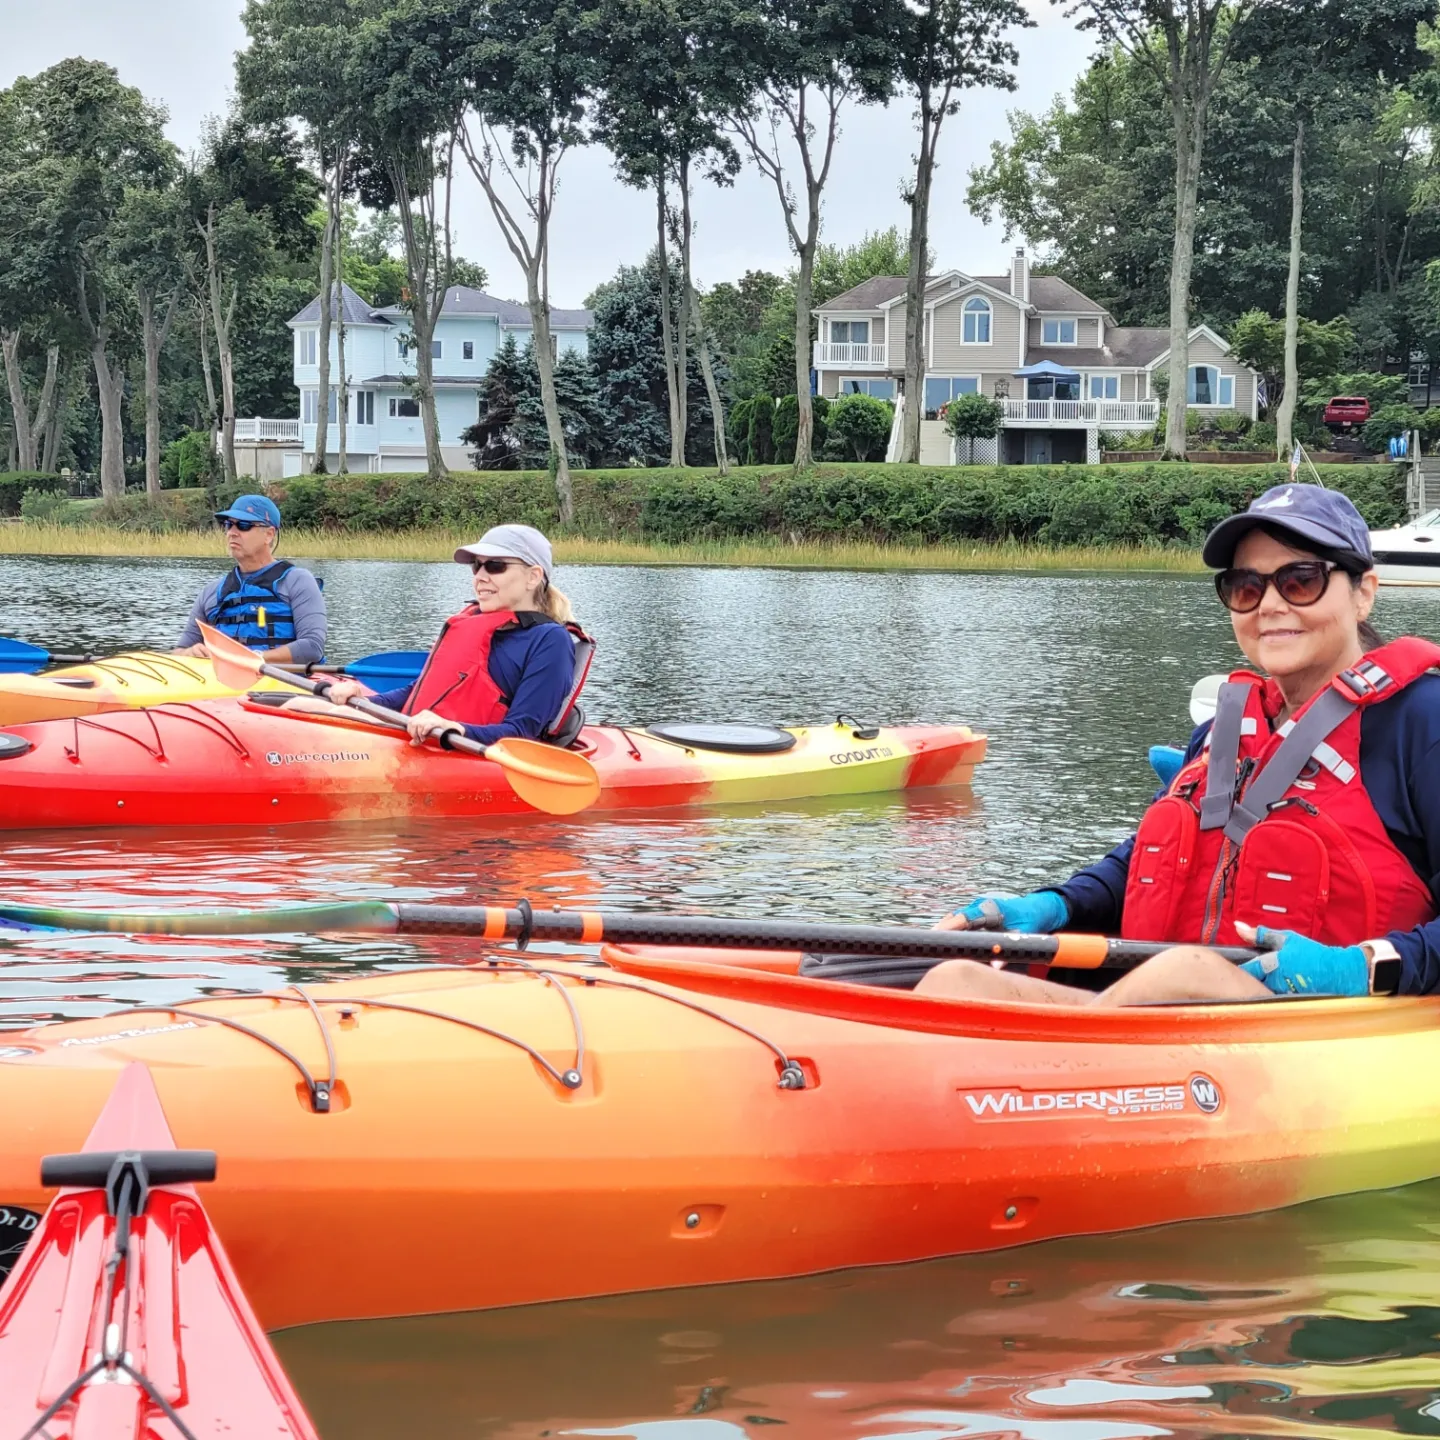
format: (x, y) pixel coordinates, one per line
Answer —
(1047, 370)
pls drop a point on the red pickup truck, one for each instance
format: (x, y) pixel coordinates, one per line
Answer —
(1347, 412)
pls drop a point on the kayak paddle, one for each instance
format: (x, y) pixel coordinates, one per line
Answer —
(618, 927)
(393, 666)
(557, 781)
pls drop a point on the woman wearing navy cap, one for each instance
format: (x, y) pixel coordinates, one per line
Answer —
(1306, 816)
(511, 663)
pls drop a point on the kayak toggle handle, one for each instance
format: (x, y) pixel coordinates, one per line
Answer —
(106, 1169)
(859, 731)
(792, 1077)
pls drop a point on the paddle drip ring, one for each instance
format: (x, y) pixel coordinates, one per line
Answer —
(527, 924)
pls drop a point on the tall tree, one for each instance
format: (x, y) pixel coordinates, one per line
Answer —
(806, 60)
(950, 46)
(1187, 44)
(524, 70)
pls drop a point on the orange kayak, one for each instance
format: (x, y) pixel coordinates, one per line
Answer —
(454, 1139)
(123, 1319)
(233, 762)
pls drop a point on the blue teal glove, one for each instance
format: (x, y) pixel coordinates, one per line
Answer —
(1303, 966)
(1042, 913)
(1165, 761)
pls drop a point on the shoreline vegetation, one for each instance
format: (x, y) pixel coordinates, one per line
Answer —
(762, 552)
(1131, 517)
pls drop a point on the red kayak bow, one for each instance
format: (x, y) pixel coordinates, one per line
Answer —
(123, 1319)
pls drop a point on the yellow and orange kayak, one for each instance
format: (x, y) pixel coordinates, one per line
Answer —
(454, 1139)
(236, 762)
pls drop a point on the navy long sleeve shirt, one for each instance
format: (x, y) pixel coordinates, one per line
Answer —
(1400, 769)
(534, 669)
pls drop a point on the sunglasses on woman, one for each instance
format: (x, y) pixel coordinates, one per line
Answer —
(1301, 583)
(493, 566)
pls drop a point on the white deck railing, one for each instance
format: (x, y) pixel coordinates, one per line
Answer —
(868, 357)
(284, 431)
(1082, 412)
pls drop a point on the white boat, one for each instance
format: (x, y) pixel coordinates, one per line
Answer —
(1409, 554)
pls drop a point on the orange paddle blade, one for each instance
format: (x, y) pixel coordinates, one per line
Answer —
(557, 781)
(235, 666)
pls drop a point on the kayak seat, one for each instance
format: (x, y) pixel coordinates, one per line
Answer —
(732, 739)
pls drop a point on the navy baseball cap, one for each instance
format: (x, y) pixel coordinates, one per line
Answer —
(1312, 514)
(252, 507)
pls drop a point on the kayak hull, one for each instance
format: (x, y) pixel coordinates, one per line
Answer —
(456, 1169)
(188, 1327)
(231, 762)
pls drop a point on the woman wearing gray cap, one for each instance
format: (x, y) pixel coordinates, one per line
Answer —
(511, 663)
(1305, 818)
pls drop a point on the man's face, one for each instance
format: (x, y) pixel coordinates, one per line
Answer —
(251, 548)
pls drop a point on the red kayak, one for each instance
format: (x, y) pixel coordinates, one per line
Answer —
(123, 1319)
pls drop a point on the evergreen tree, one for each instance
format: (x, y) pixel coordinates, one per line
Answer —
(502, 390)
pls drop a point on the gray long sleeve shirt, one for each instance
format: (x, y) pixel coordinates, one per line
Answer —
(300, 590)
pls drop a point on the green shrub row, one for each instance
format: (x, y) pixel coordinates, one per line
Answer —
(14, 484)
(1166, 504)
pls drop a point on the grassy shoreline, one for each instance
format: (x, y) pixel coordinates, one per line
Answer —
(102, 540)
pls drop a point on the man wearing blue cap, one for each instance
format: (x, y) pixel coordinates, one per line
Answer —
(271, 605)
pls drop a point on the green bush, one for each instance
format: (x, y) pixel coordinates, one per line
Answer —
(786, 429)
(762, 431)
(189, 461)
(1385, 424)
(47, 507)
(15, 483)
(860, 426)
(1263, 435)
(1168, 504)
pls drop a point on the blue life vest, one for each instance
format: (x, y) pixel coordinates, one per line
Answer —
(249, 609)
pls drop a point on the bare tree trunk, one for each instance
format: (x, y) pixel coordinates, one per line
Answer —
(804, 284)
(19, 406)
(915, 358)
(222, 313)
(55, 429)
(200, 314)
(673, 373)
(154, 337)
(322, 355)
(1285, 418)
(49, 400)
(695, 318)
(343, 401)
(1182, 261)
(110, 388)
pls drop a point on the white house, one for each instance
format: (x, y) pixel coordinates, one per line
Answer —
(384, 428)
(1057, 362)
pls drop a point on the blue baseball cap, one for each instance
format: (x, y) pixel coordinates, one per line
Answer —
(252, 507)
(1311, 513)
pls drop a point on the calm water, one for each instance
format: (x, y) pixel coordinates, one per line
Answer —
(1319, 1321)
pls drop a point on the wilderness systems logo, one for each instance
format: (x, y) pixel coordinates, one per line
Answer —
(1199, 1095)
(315, 757)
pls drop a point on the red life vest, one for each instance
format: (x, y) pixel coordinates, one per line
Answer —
(1302, 849)
(456, 682)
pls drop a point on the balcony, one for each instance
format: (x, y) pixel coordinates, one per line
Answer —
(280, 432)
(851, 357)
(1113, 414)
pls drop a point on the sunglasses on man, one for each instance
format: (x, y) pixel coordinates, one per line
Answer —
(243, 526)
(1300, 584)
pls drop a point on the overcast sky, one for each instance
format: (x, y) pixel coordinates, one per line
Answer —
(181, 56)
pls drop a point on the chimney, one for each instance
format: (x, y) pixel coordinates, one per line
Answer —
(1020, 276)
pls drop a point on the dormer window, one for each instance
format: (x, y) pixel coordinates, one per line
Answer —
(1057, 332)
(975, 326)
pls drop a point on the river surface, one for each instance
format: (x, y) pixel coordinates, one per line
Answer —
(1319, 1321)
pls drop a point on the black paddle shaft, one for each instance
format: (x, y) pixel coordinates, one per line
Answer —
(589, 927)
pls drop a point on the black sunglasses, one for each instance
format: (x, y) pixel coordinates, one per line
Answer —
(1301, 583)
(493, 566)
(243, 526)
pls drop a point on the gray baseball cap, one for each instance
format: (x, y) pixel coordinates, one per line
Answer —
(510, 542)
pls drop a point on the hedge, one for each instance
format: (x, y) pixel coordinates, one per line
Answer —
(14, 484)
(1171, 504)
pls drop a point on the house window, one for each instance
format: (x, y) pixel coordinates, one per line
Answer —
(332, 410)
(849, 332)
(1057, 332)
(554, 347)
(308, 406)
(467, 349)
(403, 346)
(862, 385)
(1209, 387)
(942, 389)
(308, 347)
(437, 349)
(404, 407)
(1104, 387)
(364, 407)
(1047, 387)
(1419, 375)
(975, 327)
